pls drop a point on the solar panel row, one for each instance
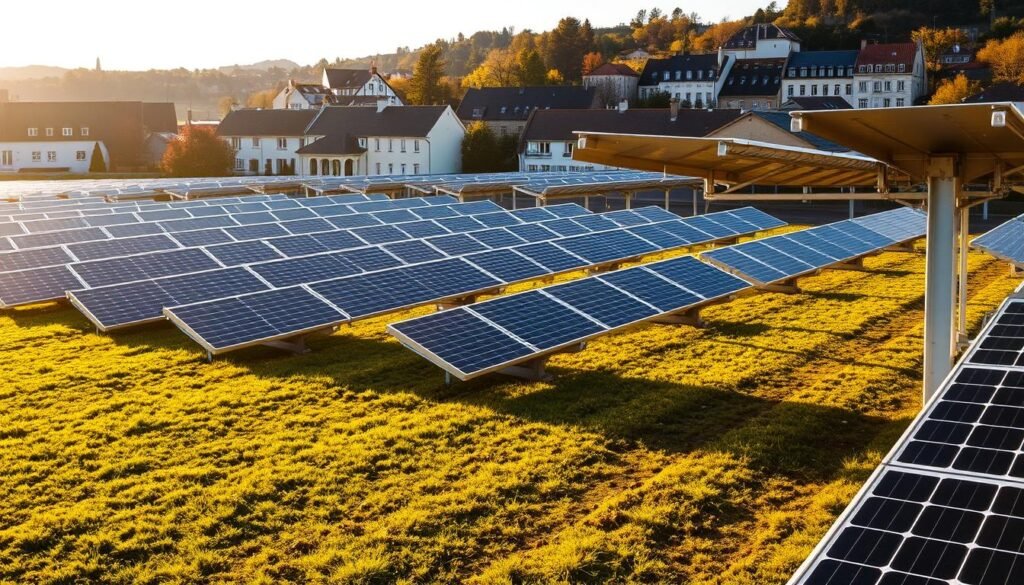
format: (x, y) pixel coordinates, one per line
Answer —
(786, 256)
(91, 208)
(1005, 241)
(229, 324)
(947, 503)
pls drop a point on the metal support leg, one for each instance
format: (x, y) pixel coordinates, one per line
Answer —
(851, 208)
(961, 337)
(586, 202)
(694, 191)
(513, 199)
(984, 211)
(629, 200)
(666, 199)
(940, 268)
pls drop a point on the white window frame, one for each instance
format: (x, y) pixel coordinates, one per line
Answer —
(49, 131)
(51, 156)
(415, 168)
(80, 155)
(67, 131)
(255, 142)
(282, 143)
(33, 131)
(416, 143)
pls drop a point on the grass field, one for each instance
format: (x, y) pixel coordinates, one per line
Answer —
(662, 454)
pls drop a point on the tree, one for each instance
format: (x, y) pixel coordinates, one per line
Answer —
(261, 99)
(226, 104)
(479, 149)
(198, 152)
(567, 44)
(426, 86)
(1006, 58)
(531, 68)
(554, 77)
(591, 61)
(500, 69)
(96, 162)
(937, 41)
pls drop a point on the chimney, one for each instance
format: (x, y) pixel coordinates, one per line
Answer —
(291, 84)
(623, 106)
(373, 67)
(673, 108)
(721, 56)
(382, 104)
(863, 43)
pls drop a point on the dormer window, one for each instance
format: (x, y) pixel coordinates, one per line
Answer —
(362, 142)
(33, 131)
(903, 68)
(679, 75)
(85, 131)
(792, 71)
(49, 131)
(67, 132)
(689, 75)
(665, 76)
(700, 74)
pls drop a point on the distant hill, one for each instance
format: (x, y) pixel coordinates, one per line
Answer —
(31, 72)
(267, 65)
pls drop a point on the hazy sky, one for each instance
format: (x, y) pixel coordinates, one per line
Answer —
(129, 34)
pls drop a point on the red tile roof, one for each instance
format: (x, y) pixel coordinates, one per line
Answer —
(886, 54)
(614, 69)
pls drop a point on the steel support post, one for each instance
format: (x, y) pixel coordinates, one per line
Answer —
(940, 268)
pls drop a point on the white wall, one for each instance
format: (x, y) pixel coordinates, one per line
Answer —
(559, 159)
(290, 99)
(818, 85)
(766, 49)
(446, 143)
(66, 155)
(267, 148)
(864, 89)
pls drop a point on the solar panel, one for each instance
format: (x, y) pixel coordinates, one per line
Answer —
(136, 229)
(947, 503)
(36, 285)
(491, 335)
(435, 212)
(120, 247)
(1005, 241)
(564, 227)
(456, 244)
(129, 268)
(534, 214)
(608, 246)
(538, 232)
(294, 271)
(497, 238)
(238, 253)
(380, 234)
(507, 265)
(201, 237)
(422, 229)
(35, 258)
(414, 251)
(57, 238)
(499, 219)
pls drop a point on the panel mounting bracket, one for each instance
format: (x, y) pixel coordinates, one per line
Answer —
(535, 370)
(786, 287)
(855, 265)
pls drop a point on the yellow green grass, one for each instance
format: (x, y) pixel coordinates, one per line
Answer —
(660, 454)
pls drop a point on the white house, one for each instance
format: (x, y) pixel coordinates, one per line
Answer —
(820, 74)
(889, 75)
(386, 140)
(613, 82)
(266, 141)
(694, 80)
(357, 82)
(301, 96)
(762, 41)
(65, 136)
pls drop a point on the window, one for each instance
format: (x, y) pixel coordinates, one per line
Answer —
(403, 168)
(239, 164)
(376, 147)
(568, 150)
(888, 86)
(700, 74)
(903, 68)
(803, 89)
(849, 89)
(415, 168)
(49, 131)
(814, 89)
(862, 69)
(792, 71)
(391, 145)
(831, 72)
(51, 156)
(901, 86)
(836, 91)
(824, 89)
(877, 87)
(689, 75)
(665, 76)
(538, 148)
(80, 155)
(255, 142)
(254, 165)
(282, 144)
(900, 102)
(391, 168)
(378, 168)
(67, 132)
(789, 91)
(6, 158)
(679, 75)
(890, 68)
(403, 147)
(886, 103)
(36, 156)
(416, 143)
(862, 103)
(33, 131)
(849, 71)
(236, 143)
(803, 72)
(302, 142)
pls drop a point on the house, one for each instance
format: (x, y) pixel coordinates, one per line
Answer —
(820, 73)
(613, 82)
(386, 140)
(753, 84)
(505, 109)
(634, 55)
(773, 127)
(694, 80)
(63, 136)
(357, 82)
(266, 141)
(548, 139)
(816, 103)
(889, 75)
(999, 92)
(762, 41)
(302, 96)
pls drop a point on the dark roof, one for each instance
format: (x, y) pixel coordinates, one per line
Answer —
(266, 122)
(782, 120)
(677, 66)
(747, 37)
(831, 102)
(613, 69)
(888, 54)
(560, 124)
(342, 126)
(347, 78)
(516, 103)
(1000, 92)
(839, 60)
(755, 77)
(121, 126)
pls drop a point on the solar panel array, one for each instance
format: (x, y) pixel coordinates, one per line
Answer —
(780, 258)
(473, 267)
(488, 336)
(947, 503)
(1005, 241)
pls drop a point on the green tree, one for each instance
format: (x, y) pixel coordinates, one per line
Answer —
(198, 152)
(479, 149)
(531, 68)
(426, 86)
(96, 162)
(567, 44)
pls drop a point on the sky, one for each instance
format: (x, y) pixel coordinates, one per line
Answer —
(139, 35)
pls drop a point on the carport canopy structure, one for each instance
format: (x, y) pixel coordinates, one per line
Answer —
(547, 191)
(945, 147)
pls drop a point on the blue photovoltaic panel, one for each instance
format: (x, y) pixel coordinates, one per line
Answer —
(57, 238)
(199, 223)
(354, 221)
(166, 214)
(551, 257)
(112, 219)
(651, 288)
(497, 238)
(35, 258)
(294, 271)
(564, 227)
(898, 225)
(435, 212)
(456, 244)
(602, 301)
(507, 265)
(290, 214)
(120, 247)
(595, 222)
(308, 226)
(332, 210)
(696, 276)
(368, 294)
(201, 237)
(1005, 241)
(460, 224)
(52, 225)
(129, 268)
(414, 251)
(11, 229)
(139, 302)
(756, 217)
(605, 247)
(852, 245)
(35, 285)
(657, 236)
(685, 231)
(279, 204)
(537, 232)
(653, 213)
(625, 217)
(238, 253)
(862, 233)
(534, 214)
(254, 218)
(709, 226)
(451, 277)
(811, 240)
(422, 229)
(256, 232)
(247, 319)
(567, 210)
(537, 319)
(478, 207)
(337, 240)
(745, 264)
(370, 259)
(380, 234)
(464, 340)
(793, 248)
(292, 246)
(732, 222)
(499, 219)
(765, 254)
(396, 216)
